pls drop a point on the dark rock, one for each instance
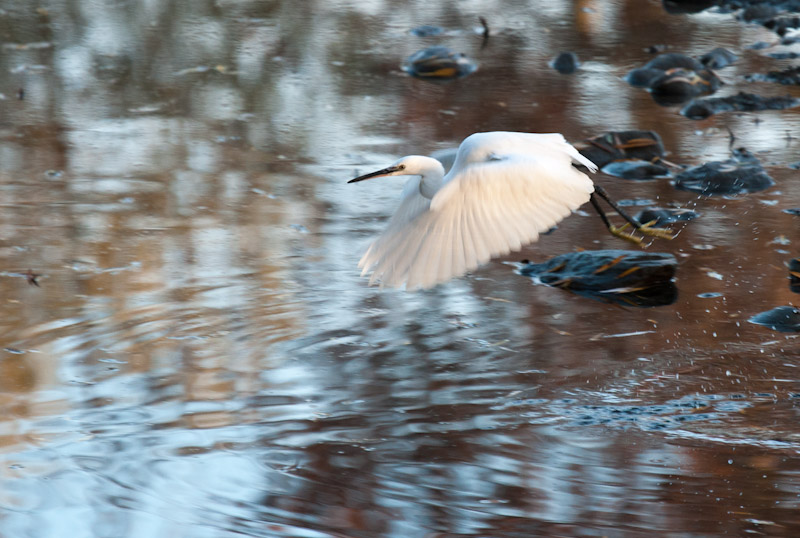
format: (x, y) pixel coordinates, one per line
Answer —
(655, 49)
(760, 45)
(620, 276)
(718, 58)
(758, 13)
(565, 63)
(427, 30)
(794, 275)
(671, 60)
(643, 77)
(784, 55)
(658, 216)
(740, 174)
(787, 76)
(783, 319)
(678, 85)
(439, 64)
(621, 146)
(783, 24)
(743, 102)
(636, 169)
(677, 7)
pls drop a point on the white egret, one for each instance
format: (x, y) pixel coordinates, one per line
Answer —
(503, 190)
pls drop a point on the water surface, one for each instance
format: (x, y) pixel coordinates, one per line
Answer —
(201, 357)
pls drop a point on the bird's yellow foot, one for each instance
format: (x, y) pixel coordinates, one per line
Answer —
(662, 233)
(624, 235)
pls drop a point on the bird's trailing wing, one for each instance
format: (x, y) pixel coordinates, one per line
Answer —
(486, 209)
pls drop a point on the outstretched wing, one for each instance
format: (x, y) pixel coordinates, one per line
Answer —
(486, 209)
(412, 205)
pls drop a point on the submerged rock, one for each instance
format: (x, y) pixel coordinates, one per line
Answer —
(740, 174)
(643, 77)
(622, 146)
(783, 318)
(718, 58)
(688, 6)
(783, 24)
(659, 216)
(674, 78)
(426, 30)
(565, 63)
(787, 76)
(620, 276)
(439, 64)
(636, 169)
(744, 102)
(678, 85)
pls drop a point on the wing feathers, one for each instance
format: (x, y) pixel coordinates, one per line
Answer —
(485, 209)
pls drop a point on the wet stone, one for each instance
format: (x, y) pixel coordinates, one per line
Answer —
(688, 6)
(621, 146)
(679, 85)
(743, 102)
(760, 45)
(625, 277)
(759, 13)
(427, 30)
(643, 77)
(782, 319)
(636, 170)
(439, 64)
(783, 24)
(661, 215)
(656, 49)
(740, 174)
(787, 77)
(718, 58)
(709, 295)
(565, 63)
(784, 55)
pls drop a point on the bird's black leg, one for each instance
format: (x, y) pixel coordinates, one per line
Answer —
(611, 228)
(643, 228)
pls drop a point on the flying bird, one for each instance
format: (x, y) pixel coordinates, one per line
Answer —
(502, 191)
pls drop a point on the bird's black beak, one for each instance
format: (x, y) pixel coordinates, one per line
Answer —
(379, 173)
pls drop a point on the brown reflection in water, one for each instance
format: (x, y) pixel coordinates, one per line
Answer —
(176, 174)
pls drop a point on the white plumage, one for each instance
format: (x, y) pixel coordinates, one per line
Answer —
(503, 190)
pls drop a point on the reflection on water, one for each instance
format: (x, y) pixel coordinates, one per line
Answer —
(202, 359)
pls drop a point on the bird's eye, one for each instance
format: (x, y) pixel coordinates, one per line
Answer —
(402, 167)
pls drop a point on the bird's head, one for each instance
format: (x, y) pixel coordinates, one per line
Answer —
(413, 165)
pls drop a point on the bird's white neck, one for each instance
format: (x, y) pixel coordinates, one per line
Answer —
(431, 176)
